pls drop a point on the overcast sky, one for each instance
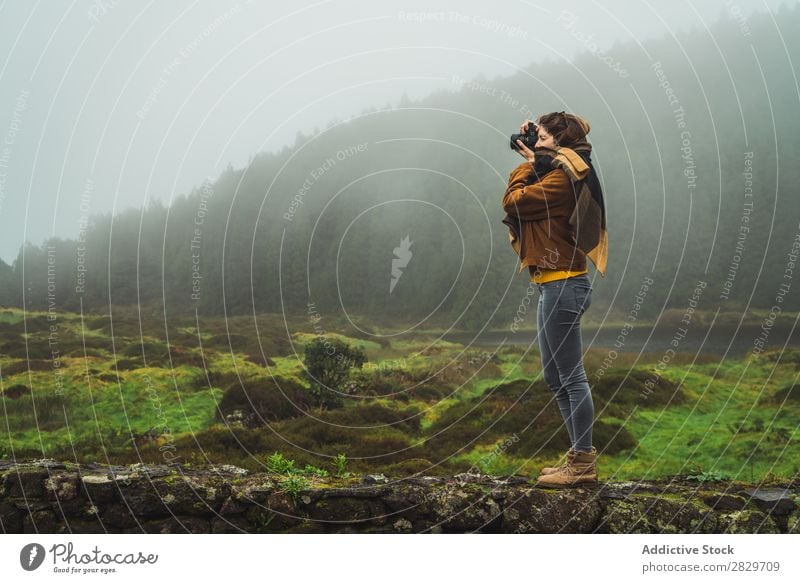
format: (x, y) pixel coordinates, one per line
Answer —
(126, 100)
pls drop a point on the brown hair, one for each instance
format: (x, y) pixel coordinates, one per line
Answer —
(566, 128)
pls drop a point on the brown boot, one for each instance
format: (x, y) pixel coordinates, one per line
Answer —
(548, 470)
(581, 469)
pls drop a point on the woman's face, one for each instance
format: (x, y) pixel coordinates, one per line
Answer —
(545, 139)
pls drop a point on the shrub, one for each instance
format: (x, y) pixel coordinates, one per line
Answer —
(788, 393)
(26, 365)
(328, 363)
(261, 400)
(16, 391)
(49, 412)
(35, 349)
(626, 388)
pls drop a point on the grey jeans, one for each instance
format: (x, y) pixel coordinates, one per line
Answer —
(561, 305)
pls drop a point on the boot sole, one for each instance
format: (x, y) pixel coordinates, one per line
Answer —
(570, 485)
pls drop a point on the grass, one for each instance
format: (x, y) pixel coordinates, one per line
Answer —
(731, 423)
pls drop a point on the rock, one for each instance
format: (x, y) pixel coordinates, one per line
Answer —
(174, 525)
(466, 508)
(724, 502)
(402, 525)
(227, 469)
(534, 510)
(230, 525)
(375, 479)
(42, 521)
(61, 487)
(623, 517)
(778, 501)
(42, 497)
(231, 506)
(312, 527)
(142, 498)
(341, 511)
(747, 521)
(98, 488)
(118, 517)
(25, 482)
(253, 490)
(676, 515)
(10, 519)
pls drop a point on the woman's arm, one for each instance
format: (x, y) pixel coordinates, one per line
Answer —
(547, 198)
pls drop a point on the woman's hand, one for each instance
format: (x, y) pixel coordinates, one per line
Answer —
(525, 152)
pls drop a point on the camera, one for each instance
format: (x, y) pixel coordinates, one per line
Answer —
(529, 138)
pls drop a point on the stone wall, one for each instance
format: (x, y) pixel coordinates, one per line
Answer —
(50, 497)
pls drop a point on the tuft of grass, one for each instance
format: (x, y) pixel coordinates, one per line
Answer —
(293, 485)
(315, 471)
(278, 464)
(340, 462)
(708, 476)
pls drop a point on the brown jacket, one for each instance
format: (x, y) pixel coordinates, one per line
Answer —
(539, 220)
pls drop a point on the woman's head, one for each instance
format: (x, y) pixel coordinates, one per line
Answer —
(560, 129)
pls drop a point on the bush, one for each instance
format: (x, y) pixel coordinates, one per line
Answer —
(16, 391)
(328, 363)
(49, 412)
(787, 394)
(35, 349)
(25, 366)
(259, 401)
(625, 388)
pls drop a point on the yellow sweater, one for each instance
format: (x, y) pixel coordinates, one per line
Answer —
(545, 275)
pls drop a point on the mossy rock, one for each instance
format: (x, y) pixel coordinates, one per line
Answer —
(622, 517)
(535, 511)
(676, 515)
(747, 522)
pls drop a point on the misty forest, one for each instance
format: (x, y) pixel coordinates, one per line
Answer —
(193, 330)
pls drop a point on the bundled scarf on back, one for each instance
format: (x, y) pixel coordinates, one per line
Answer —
(589, 217)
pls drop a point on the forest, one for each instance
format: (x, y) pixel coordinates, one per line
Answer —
(699, 170)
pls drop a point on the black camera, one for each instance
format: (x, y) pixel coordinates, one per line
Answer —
(529, 138)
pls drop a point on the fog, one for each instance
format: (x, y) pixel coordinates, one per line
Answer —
(106, 104)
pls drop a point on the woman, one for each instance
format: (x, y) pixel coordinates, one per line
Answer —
(556, 219)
